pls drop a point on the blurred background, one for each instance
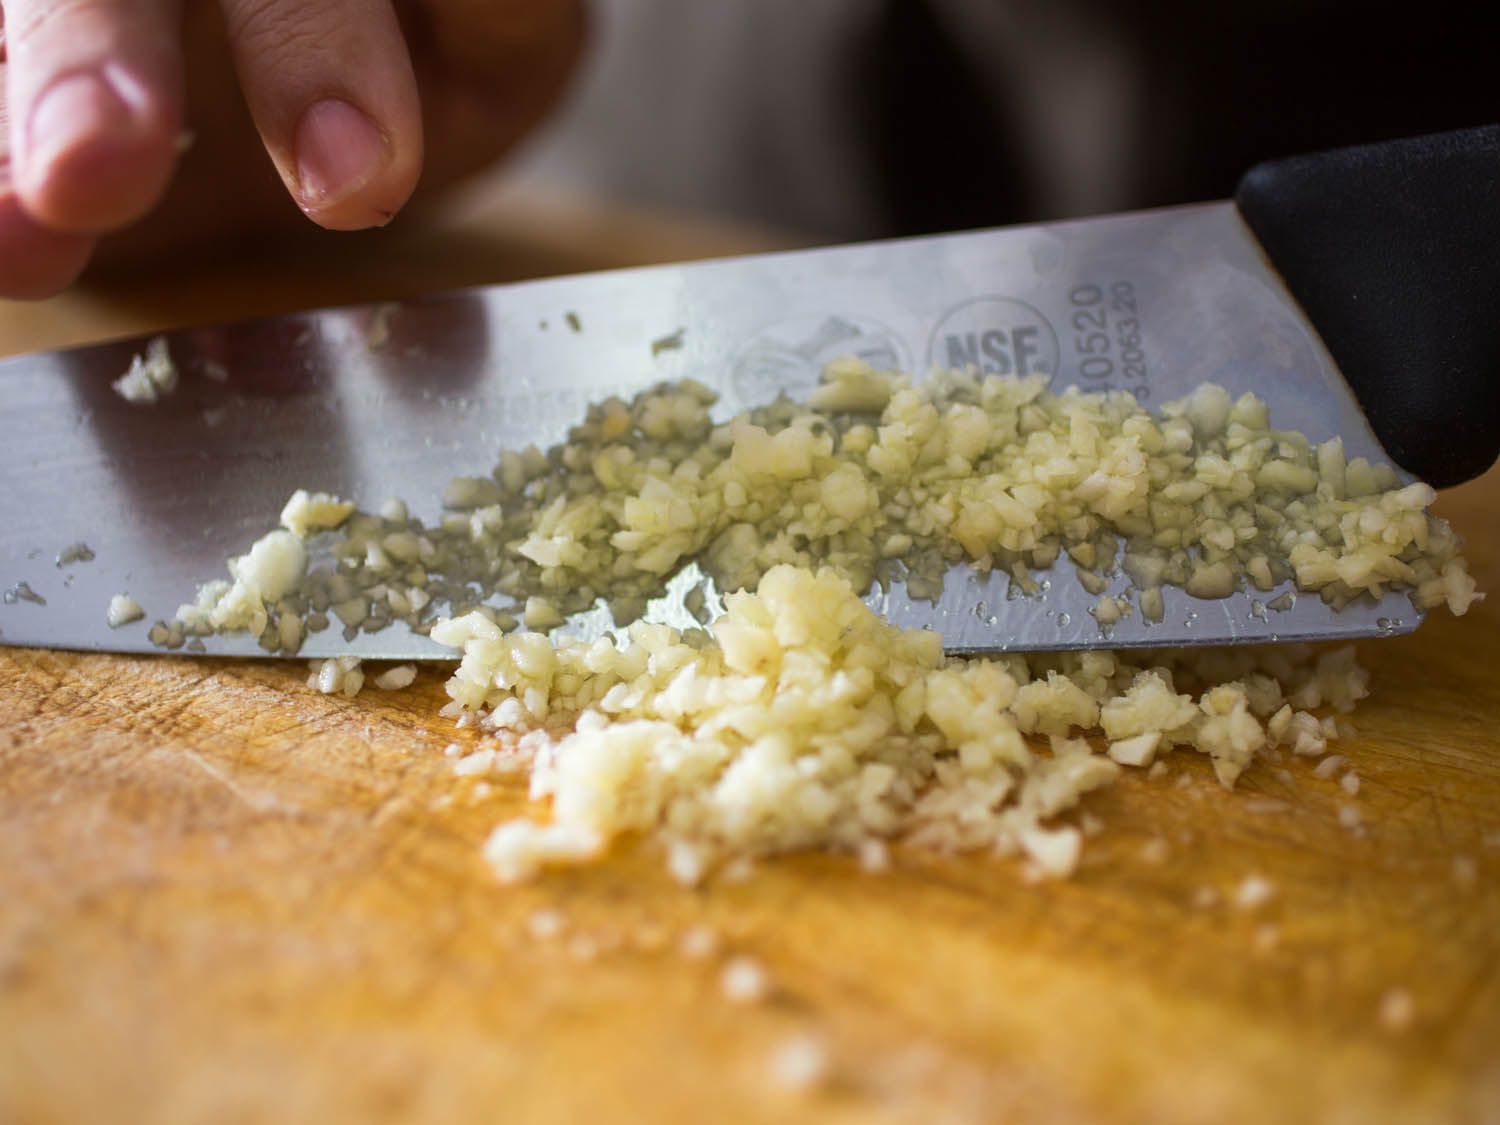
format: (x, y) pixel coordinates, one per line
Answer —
(846, 119)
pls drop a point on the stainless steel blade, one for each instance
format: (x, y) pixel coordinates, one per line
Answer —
(379, 401)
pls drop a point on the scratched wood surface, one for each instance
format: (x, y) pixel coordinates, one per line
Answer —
(225, 898)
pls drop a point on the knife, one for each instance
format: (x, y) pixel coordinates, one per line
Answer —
(1354, 290)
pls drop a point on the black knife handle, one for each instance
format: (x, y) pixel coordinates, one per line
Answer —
(1393, 251)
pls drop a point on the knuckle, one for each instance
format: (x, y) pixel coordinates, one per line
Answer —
(44, 19)
(275, 29)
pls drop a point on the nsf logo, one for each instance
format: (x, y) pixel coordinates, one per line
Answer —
(997, 336)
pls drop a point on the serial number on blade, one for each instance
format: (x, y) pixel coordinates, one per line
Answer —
(1105, 338)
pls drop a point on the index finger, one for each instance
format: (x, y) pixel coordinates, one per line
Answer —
(95, 95)
(331, 88)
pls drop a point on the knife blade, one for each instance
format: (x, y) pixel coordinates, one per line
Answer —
(393, 400)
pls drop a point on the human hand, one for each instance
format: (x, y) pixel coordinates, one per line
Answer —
(95, 95)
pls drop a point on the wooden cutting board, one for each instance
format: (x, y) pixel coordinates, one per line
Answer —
(226, 898)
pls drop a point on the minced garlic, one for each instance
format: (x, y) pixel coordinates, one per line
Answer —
(801, 719)
(123, 609)
(397, 678)
(151, 376)
(879, 480)
(307, 512)
(340, 675)
(272, 568)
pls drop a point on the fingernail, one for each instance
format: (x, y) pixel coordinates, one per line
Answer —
(79, 109)
(339, 150)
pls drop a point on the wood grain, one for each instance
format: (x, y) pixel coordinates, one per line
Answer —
(225, 898)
